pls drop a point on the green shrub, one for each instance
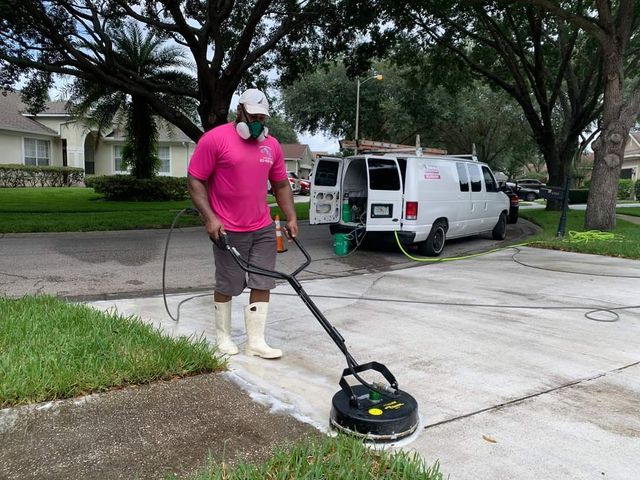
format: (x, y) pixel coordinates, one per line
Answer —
(35, 176)
(625, 189)
(637, 189)
(129, 188)
(578, 195)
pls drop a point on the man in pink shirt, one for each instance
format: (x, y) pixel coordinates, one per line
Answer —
(228, 175)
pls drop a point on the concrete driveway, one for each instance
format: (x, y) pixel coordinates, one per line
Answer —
(513, 380)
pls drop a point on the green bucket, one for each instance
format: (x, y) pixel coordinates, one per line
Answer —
(341, 243)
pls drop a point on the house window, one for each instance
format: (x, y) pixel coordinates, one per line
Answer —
(36, 152)
(164, 154)
(118, 167)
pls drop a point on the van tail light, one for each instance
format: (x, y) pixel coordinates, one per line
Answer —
(515, 201)
(411, 211)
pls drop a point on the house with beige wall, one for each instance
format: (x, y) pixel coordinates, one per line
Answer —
(298, 158)
(631, 161)
(54, 137)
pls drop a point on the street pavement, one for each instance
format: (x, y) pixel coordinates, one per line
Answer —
(525, 362)
(101, 265)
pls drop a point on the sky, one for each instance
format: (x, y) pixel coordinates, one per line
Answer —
(320, 143)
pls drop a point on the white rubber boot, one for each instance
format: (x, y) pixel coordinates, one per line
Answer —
(255, 319)
(223, 328)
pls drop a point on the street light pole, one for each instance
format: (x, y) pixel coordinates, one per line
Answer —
(358, 83)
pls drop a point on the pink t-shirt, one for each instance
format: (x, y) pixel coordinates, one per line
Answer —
(236, 172)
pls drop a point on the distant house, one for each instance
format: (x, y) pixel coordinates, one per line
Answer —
(631, 161)
(298, 158)
(54, 137)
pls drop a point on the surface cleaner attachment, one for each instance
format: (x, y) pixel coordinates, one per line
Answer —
(374, 411)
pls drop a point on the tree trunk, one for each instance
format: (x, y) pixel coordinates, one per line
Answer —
(142, 137)
(215, 103)
(608, 148)
(603, 194)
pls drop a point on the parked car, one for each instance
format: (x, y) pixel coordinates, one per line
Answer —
(514, 203)
(305, 187)
(299, 185)
(530, 183)
(524, 193)
(294, 183)
(525, 187)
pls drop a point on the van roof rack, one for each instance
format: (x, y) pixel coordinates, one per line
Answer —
(467, 156)
(371, 147)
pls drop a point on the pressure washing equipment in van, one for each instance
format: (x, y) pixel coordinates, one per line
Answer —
(342, 241)
(375, 411)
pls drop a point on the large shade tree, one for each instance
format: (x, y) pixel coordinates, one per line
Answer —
(105, 106)
(549, 66)
(613, 24)
(407, 103)
(229, 42)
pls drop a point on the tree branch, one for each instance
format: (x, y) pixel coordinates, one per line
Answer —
(585, 23)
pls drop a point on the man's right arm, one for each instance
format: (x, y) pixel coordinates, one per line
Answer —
(200, 198)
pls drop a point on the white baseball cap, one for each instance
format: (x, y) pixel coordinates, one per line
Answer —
(255, 102)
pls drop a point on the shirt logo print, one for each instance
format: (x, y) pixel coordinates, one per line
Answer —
(266, 155)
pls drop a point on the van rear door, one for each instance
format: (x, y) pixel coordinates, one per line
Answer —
(325, 195)
(384, 199)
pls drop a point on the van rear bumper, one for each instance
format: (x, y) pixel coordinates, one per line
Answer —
(406, 238)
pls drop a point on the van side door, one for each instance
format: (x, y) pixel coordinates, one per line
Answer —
(494, 198)
(384, 199)
(325, 195)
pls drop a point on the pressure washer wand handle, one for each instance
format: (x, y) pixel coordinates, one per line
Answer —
(304, 252)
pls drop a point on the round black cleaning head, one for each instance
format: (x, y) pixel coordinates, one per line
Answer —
(377, 418)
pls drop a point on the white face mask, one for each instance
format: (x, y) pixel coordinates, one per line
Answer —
(253, 129)
(245, 133)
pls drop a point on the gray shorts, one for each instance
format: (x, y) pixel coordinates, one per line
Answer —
(259, 248)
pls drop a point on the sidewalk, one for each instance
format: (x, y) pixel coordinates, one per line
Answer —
(512, 378)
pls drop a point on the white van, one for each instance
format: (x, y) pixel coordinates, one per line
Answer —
(426, 199)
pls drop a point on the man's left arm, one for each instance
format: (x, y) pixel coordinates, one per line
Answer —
(284, 197)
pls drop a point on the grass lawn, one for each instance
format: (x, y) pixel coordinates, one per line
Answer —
(626, 241)
(333, 458)
(51, 349)
(25, 210)
(635, 211)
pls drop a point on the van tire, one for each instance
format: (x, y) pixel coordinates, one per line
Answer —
(499, 232)
(434, 244)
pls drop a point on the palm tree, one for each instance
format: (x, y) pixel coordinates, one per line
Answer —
(149, 57)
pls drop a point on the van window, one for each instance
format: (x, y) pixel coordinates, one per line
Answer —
(326, 174)
(383, 174)
(489, 181)
(476, 178)
(463, 177)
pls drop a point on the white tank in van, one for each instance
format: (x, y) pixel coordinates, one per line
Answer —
(426, 199)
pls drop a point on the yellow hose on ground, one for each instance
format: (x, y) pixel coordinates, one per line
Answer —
(451, 259)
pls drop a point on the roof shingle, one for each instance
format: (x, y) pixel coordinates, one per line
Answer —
(11, 118)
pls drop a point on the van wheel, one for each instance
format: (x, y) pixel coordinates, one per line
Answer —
(434, 244)
(499, 232)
